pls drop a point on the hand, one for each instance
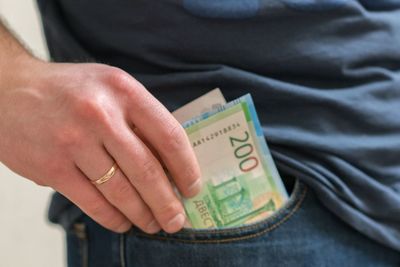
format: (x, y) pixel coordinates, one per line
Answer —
(63, 125)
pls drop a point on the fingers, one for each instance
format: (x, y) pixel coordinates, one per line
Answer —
(137, 132)
(80, 191)
(168, 137)
(147, 176)
(94, 163)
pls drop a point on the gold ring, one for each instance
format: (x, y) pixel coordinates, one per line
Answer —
(106, 176)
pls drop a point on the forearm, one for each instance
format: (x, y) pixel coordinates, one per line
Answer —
(13, 57)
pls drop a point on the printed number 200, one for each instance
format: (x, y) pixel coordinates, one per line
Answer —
(243, 153)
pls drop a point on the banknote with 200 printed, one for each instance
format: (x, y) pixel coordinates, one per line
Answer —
(241, 182)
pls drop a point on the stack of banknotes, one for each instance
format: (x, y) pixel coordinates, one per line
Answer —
(241, 184)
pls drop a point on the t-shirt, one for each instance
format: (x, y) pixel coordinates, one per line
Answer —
(324, 75)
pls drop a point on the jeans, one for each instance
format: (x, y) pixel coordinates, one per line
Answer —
(302, 233)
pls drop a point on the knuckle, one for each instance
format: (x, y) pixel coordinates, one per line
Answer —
(124, 83)
(97, 113)
(175, 139)
(167, 211)
(140, 212)
(121, 193)
(149, 173)
(191, 174)
(142, 221)
(67, 137)
(117, 77)
(96, 209)
(89, 108)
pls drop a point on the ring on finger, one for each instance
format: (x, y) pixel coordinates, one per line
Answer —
(109, 174)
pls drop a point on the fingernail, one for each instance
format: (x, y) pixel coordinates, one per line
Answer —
(153, 227)
(176, 223)
(124, 227)
(195, 188)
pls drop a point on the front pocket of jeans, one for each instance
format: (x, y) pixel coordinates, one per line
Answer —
(233, 234)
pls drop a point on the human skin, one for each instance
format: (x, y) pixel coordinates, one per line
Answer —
(65, 124)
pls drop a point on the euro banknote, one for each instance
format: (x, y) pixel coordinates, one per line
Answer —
(241, 184)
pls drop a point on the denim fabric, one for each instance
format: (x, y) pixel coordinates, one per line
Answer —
(303, 233)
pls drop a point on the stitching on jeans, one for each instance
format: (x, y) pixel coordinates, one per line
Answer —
(81, 235)
(122, 250)
(85, 257)
(232, 239)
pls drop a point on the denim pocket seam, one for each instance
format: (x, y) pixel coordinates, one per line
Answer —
(122, 250)
(79, 230)
(240, 238)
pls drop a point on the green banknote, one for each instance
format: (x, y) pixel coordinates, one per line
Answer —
(241, 182)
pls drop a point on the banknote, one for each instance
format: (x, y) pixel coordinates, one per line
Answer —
(205, 103)
(241, 182)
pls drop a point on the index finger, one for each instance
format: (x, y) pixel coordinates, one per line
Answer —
(168, 137)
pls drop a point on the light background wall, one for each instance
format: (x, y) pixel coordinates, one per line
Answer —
(26, 238)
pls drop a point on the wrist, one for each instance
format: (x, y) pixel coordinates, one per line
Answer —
(20, 71)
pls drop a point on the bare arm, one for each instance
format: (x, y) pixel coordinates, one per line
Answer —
(63, 125)
(12, 55)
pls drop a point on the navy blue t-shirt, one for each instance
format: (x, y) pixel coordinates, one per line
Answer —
(324, 75)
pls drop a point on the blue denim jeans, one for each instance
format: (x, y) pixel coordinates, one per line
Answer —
(302, 233)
